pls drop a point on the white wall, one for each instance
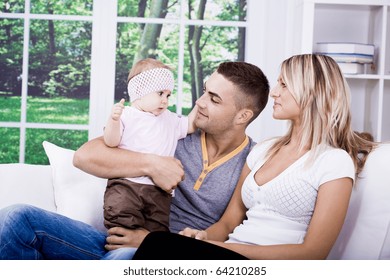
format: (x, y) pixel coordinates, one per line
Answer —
(273, 35)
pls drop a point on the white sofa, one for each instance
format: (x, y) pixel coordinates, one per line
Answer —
(62, 188)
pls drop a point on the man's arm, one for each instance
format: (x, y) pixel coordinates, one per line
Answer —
(95, 158)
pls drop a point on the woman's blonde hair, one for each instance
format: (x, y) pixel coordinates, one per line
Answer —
(323, 95)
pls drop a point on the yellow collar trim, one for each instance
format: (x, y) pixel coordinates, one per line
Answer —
(208, 168)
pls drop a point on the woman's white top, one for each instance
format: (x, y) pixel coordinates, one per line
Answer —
(279, 212)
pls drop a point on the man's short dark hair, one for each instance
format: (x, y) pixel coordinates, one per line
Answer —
(251, 82)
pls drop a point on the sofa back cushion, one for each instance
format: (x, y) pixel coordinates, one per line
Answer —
(366, 231)
(26, 183)
(78, 195)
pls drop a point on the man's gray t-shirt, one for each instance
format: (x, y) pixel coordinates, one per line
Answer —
(203, 205)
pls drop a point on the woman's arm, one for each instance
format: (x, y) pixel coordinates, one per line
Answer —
(96, 158)
(233, 215)
(326, 223)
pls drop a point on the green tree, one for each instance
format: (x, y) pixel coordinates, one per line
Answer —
(53, 44)
(11, 56)
(194, 37)
(151, 32)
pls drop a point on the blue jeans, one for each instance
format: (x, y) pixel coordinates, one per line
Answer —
(120, 254)
(31, 233)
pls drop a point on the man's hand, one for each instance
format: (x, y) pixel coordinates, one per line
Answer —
(194, 233)
(121, 237)
(166, 172)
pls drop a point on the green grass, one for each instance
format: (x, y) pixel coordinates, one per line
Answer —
(41, 110)
(57, 110)
(34, 152)
(9, 145)
(70, 139)
(9, 109)
(45, 110)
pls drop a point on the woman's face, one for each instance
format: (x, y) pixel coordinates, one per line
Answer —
(285, 106)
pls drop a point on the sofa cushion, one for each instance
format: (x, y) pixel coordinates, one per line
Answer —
(26, 183)
(366, 230)
(78, 195)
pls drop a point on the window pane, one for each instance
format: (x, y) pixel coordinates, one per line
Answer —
(59, 71)
(64, 7)
(12, 6)
(57, 110)
(143, 8)
(9, 108)
(9, 145)
(215, 45)
(157, 41)
(226, 10)
(69, 139)
(11, 60)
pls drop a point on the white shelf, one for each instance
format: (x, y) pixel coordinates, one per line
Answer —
(357, 21)
(363, 76)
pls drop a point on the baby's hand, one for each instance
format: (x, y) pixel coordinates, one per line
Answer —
(117, 110)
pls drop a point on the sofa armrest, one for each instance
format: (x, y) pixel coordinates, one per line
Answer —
(366, 232)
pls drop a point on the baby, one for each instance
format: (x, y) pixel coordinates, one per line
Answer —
(145, 126)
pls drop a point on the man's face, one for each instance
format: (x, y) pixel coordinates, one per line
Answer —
(217, 108)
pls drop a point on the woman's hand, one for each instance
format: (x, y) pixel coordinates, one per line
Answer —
(194, 233)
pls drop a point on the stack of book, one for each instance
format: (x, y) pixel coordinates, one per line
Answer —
(351, 57)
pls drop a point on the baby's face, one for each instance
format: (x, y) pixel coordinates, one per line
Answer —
(155, 102)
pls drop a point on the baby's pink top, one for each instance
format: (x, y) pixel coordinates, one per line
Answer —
(147, 133)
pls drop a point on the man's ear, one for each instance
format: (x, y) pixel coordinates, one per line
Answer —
(244, 116)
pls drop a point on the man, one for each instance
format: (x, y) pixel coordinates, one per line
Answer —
(204, 173)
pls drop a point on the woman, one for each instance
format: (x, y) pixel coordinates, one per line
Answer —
(294, 191)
